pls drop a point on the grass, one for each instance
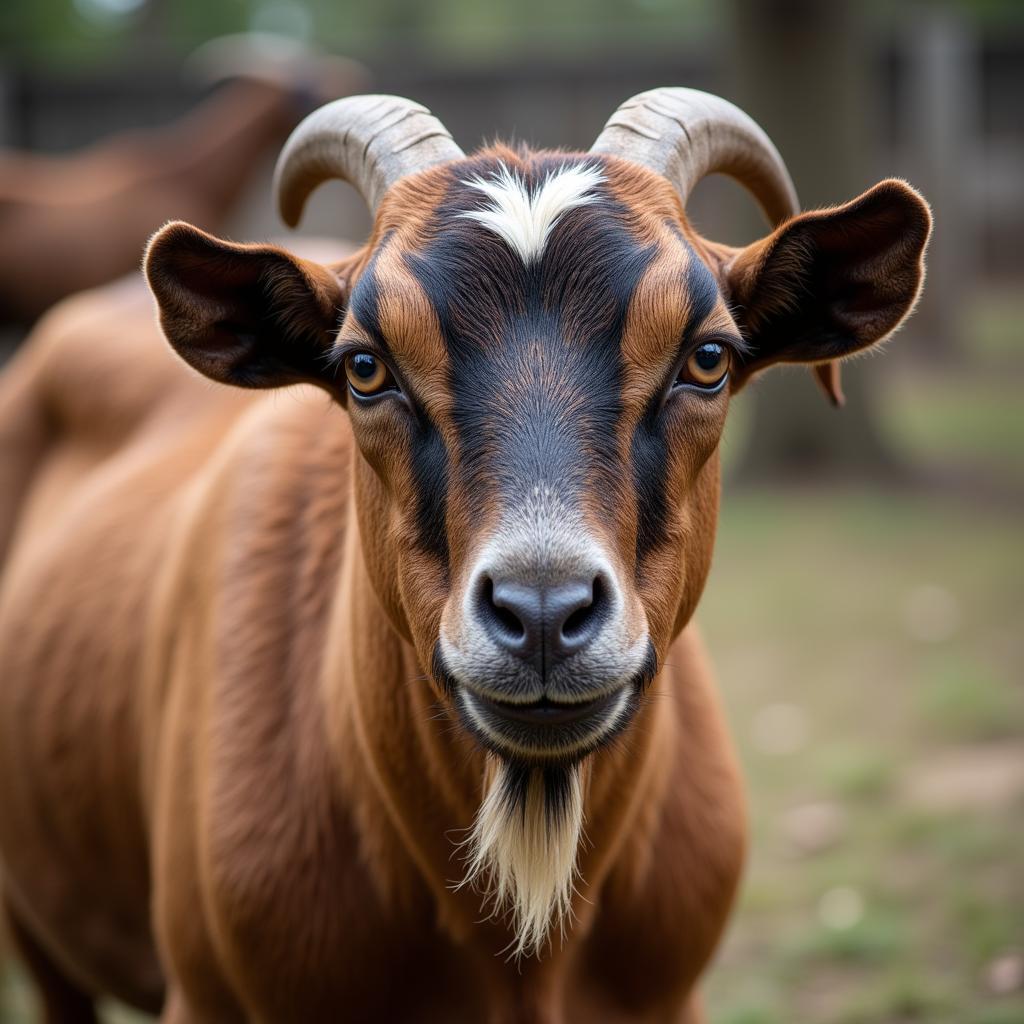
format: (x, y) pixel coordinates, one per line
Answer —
(812, 606)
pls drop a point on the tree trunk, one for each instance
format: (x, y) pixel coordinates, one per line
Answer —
(800, 71)
(938, 117)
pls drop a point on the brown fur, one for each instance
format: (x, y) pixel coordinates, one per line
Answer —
(227, 776)
(75, 221)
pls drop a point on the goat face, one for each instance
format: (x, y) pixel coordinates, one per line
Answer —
(537, 366)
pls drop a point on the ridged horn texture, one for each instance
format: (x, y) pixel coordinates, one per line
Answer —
(368, 141)
(686, 135)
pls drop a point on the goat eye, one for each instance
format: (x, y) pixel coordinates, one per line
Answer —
(367, 375)
(707, 366)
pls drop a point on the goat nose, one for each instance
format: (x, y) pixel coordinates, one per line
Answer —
(543, 623)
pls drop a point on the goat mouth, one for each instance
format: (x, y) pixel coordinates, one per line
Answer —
(545, 731)
(547, 712)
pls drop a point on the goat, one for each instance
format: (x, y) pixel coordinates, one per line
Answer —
(313, 708)
(75, 221)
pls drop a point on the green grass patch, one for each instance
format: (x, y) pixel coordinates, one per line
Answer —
(751, 1015)
(877, 938)
(858, 772)
(966, 700)
(1009, 1012)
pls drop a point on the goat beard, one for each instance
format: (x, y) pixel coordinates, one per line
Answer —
(522, 848)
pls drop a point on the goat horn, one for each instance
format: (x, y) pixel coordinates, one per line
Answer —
(686, 135)
(369, 141)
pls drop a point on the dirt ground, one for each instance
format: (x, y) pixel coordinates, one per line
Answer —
(876, 689)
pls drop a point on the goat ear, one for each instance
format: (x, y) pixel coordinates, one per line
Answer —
(831, 282)
(250, 315)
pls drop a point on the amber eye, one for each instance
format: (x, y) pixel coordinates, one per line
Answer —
(707, 366)
(367, 374)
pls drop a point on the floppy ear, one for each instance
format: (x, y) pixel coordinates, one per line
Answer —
(831, 282)
(250, 315)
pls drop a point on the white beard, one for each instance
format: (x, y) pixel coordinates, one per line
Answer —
(522, 849)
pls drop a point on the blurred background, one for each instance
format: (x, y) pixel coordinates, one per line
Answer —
(865, 610)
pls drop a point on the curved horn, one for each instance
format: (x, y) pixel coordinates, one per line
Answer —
(369, 141)
(686, 135)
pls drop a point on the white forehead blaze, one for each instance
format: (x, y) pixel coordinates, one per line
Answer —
(524, 219)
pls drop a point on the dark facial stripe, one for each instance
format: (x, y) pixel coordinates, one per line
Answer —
(428, 455)
(365, 301)
(534, 352)
(651, 454)
(429, 460)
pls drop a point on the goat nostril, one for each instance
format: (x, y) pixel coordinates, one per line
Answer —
(580, 622)
(501, 615)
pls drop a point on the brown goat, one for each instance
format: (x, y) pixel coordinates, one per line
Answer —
(296, 689)
(75, 221)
